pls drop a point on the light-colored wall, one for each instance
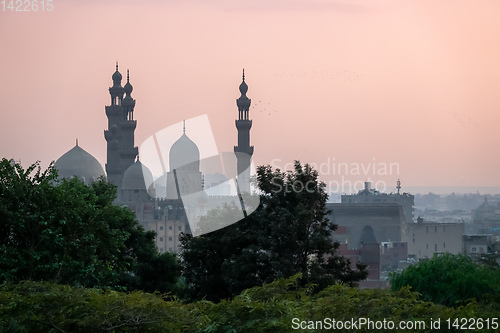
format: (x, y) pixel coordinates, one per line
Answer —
(425, 239)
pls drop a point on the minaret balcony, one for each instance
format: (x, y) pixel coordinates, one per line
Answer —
(243, 124)
(245, 150)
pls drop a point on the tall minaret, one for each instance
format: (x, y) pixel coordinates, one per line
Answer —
(243, 150)
(121, 152)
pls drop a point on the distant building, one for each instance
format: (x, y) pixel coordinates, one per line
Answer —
(372, 196)
(425, 239)
(379, 258)
(366, 223)
(477, 244)
(486, 218)
(392, 254)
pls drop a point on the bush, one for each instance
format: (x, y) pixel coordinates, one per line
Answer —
(451, 280)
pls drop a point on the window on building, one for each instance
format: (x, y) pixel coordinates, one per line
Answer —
(161, 249)
(161, 239)
(427, 246)
(169, 249)
(169, 239)
(435, 247)
(473, 249)
(169, 227)
(435, 229)
(444, 245)
(161, 228)
(180, 228)
(413, 240)
(427, 229)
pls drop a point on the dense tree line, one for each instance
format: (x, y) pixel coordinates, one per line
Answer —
(276, 307)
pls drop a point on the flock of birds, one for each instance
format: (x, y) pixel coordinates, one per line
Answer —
(344, 76)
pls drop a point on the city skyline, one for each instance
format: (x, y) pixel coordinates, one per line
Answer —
(412, 84)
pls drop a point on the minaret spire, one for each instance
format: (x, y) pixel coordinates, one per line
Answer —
(243, 150)
(121, 150)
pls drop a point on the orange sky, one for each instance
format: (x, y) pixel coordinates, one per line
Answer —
(415, 83)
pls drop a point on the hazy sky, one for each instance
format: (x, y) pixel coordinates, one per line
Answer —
(364, 83)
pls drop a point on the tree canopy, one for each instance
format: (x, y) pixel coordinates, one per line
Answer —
(289, 233)
(450, 280)
(280, 306)
(71, 233)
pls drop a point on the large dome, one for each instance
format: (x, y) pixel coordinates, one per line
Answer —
(77, 162)
(184, 155)
(137, 177)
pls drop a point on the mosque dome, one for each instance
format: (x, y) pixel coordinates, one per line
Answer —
(77, 162)
(137, 177)
(184, 155)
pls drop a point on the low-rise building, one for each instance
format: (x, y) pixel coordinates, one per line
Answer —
(428, 238)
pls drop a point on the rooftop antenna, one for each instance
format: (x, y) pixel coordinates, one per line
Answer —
(398, 185)
(77, 141)
(184, 126)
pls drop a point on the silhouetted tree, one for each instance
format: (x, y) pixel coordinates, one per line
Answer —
(289, 233)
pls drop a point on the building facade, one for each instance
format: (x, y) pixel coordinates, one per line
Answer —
(426, 239)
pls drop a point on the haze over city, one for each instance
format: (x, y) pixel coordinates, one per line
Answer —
(406, 87)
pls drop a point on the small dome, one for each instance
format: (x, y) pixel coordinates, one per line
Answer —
(243, 88)
(137, 177)
(243, 85)
(117, 76)
(184, 155)
(77, 162)
(128, 88)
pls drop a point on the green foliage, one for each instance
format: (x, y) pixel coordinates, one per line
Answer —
(288, 234)
(274, 307)
(47, 307)
(450, 280)
(72, 233)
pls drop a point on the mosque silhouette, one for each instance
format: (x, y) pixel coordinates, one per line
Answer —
(183, 198)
